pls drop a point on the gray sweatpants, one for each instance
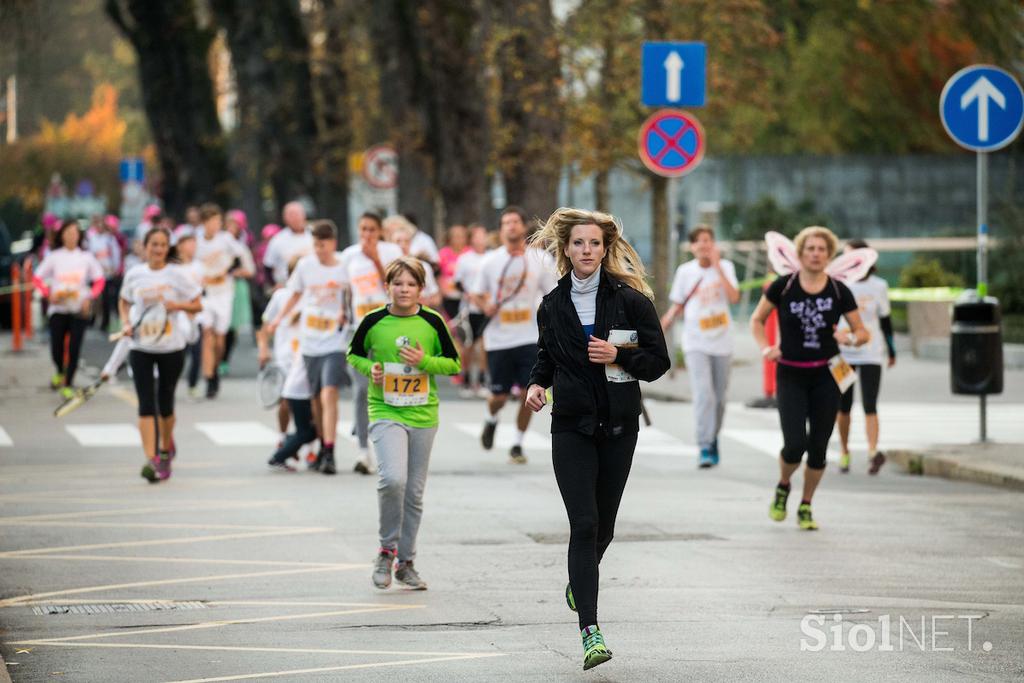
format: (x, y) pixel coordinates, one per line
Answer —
(709, 381)
(360, 404)
(403, 455)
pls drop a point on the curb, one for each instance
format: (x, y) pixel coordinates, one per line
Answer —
(930, 464)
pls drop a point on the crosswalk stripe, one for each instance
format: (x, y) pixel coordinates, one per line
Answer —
(97, 435)
(5, 438)
(245, 433)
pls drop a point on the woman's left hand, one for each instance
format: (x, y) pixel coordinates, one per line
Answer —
(411, 355)
(601, 352)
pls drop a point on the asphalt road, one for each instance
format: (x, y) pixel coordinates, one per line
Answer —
(231, 572)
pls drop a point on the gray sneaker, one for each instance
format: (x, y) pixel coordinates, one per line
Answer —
(406, 575)
(382, 568)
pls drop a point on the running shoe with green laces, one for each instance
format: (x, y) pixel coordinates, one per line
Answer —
(149, 471)
(594, 650)
(57, 381)
(804, 518)
(844, 463)
(66, 393)
(777, 511)
(569, 598)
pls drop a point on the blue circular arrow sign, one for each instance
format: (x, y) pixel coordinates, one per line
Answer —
(982, 108)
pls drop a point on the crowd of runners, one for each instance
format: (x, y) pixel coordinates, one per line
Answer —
(560, 315)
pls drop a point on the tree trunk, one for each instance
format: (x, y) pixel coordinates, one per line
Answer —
(403, 98)
(178, 97)
(335, 133)
(601, 191)
(270, 54)
(529, 65)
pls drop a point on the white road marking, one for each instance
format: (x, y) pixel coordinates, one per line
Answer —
(5, 438)
(101, 435)
(1006, 564)
(250, 433)
(505, 436)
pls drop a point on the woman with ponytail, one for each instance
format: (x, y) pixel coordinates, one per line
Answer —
(598, 334)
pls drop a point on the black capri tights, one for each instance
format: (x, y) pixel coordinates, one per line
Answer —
(808, 403)
(591, 472)
(156, 392)
(870, 376)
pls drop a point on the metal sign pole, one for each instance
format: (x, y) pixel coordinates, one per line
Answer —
(983, 251)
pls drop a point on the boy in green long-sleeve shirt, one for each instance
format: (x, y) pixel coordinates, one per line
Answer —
(401, 347)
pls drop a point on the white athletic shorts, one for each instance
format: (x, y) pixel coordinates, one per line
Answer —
(217, 312)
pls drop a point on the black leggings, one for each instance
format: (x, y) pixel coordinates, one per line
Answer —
(591, 472)
(806, 395)
(195, 361)
(870, 376)
(305, 431)
(62, 325)
(169, 366)
(111, 290)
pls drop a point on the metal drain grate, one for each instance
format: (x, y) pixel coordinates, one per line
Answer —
(115, 607)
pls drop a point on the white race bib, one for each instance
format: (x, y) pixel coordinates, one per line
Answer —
(623, 339)
(405, 385)
(842, 373)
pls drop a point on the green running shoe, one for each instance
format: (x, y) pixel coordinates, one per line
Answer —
(66, 393)
(57, 381)
(594, 650)
(569, 599)
(778, 509)
(844, 463)
(803, 515)
(149, 471)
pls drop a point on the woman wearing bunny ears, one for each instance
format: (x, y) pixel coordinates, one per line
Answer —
(811, 374)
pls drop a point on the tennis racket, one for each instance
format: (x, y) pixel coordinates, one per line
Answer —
(461, 328)
(271, 384)
(518, 288)
(79, 399)
(149, 327)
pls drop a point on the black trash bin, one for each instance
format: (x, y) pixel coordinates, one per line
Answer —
(976, 346)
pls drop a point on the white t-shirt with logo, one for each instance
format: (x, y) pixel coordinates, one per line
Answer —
(282, 248)
(287, 353)
(872, 297)
(707, 323)
(215, 257)
(467, 268)
(515, 323)
(144, 286)
(367, 283)
(68, 275)
(323, 288)
(104, 246)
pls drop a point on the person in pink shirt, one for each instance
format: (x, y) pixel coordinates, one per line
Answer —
(457, 244)
(69, 279)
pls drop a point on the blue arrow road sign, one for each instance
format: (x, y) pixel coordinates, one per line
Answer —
(673, 74)
(132, 169)
(982, 108)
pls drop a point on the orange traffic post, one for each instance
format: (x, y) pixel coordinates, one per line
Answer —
(16, 307)
(771, 333)
(28, 298)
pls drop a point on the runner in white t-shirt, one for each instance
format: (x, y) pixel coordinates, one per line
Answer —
(511, 282)
(702, 291)
(294, 241)
(103, 244)
(366, 263)
(221, 258)
(872, 295)
(161, 348)
(467, 268)
(287, 355)
(70, 279)
(320, 280)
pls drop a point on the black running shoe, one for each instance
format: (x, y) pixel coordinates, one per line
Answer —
(516, 457)
(877, 460)
(280, 465)
(487, 438)
(327, 466)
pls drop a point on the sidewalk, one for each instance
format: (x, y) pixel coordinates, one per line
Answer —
(912, 381)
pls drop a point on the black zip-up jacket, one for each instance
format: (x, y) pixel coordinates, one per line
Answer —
(583, 399)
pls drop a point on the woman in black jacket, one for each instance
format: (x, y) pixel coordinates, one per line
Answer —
(599, 334)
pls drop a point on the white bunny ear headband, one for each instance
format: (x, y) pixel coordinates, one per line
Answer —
(848, 267)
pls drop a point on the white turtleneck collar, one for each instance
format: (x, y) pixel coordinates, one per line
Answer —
(588, 284)
(584, 296)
